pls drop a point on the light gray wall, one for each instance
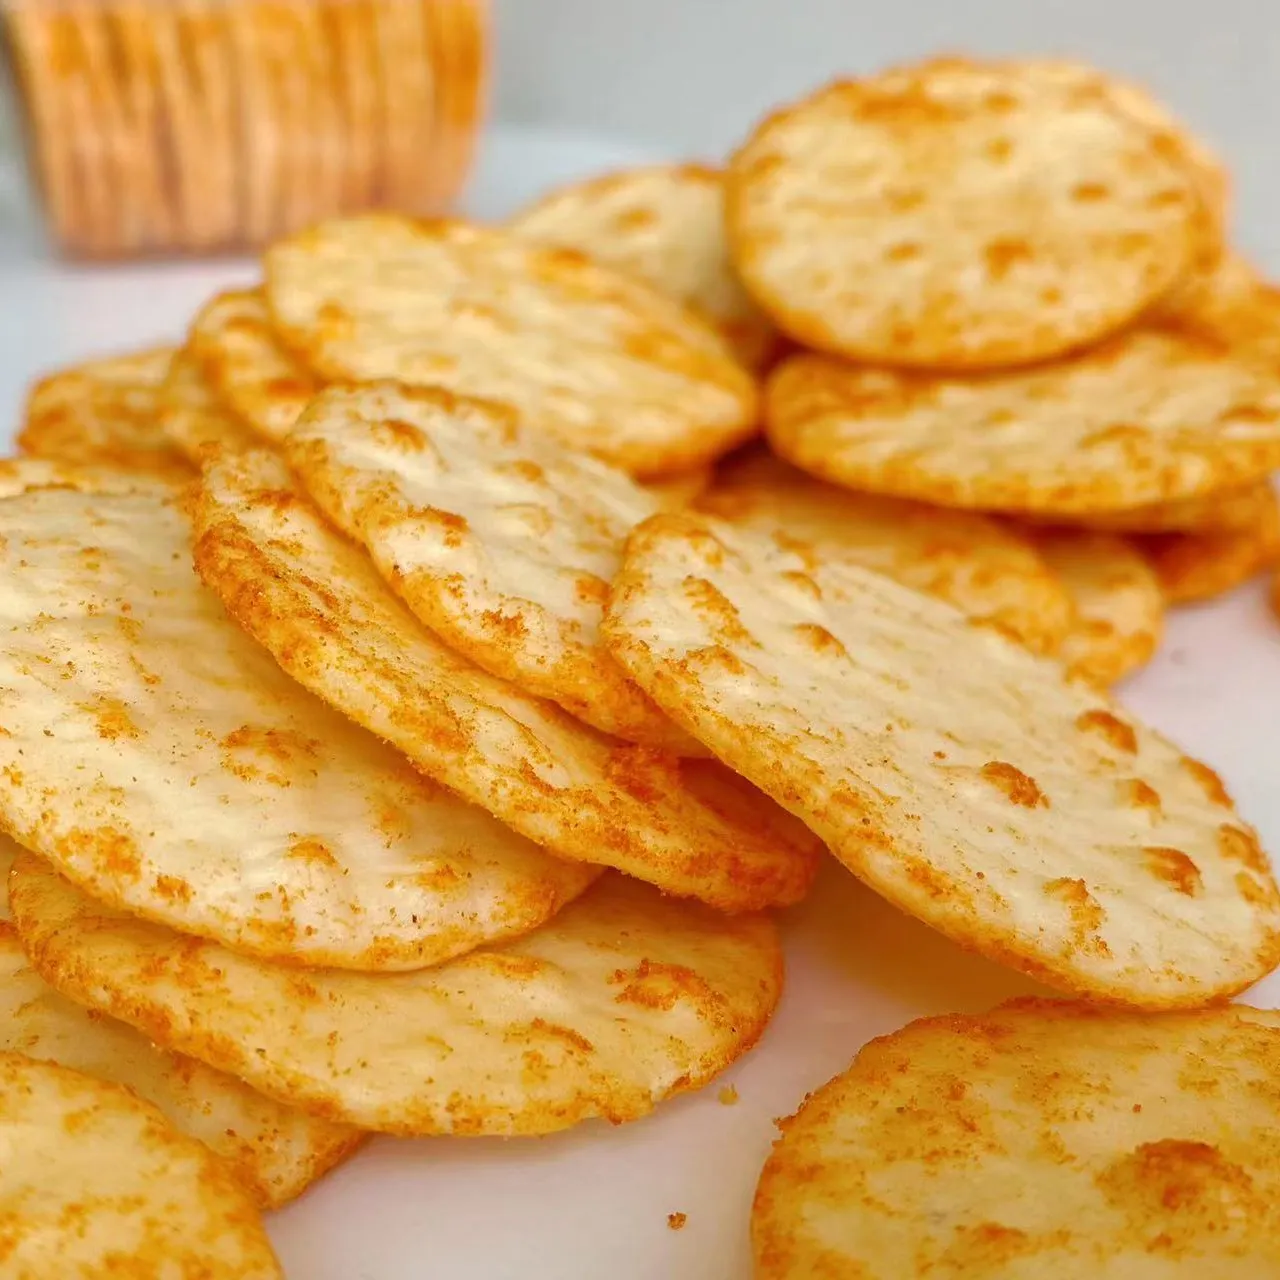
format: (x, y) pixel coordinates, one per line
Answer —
(692, 74)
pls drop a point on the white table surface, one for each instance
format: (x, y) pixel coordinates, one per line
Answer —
(592, 1204)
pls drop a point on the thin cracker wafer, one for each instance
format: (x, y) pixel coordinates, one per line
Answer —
(960, 776)
(191, 416)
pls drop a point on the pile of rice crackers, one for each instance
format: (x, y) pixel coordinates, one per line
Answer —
(422, 687)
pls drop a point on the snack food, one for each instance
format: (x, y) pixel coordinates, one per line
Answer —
(1045, 1139)
(94, 1181)
(158, 757)
(622, 1000)
(957, 215)
(1214, 512)
(191, 416)
(103, 412)
(593, 357)
(664, 224)
(501, 541)
(276, 1152)
(1117, 603)
(988, 571)
(1019, 814)
(253, 376)
(1153, 416)
(316, 604)
(1197, 566)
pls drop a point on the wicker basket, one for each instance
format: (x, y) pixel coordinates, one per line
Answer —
(210, 125)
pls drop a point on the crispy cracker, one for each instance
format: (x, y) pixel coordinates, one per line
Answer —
(956, 773)
(501, 541)
(250, 372)
(594, 358)
(95, 1182)
(409, 81)
(459, 35)
(160, 759)
(624, 999)
(664, 224)
(1117, 600)
(957, 215)
(275, 1151)
(1047, 1140)
(675, 492)
(1151, 417)
(22, 475)
(191, 416)
(1198, 566)
(1216, 512)
(348, 28)
(985, 569)
(103, 412)
(1234, 306)
(314, 601)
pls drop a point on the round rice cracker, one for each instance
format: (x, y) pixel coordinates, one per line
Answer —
(1233, 305)
(1152, 417)
(1018, 813)
(499, 540)
(191, 416)
(1199, 566)
(1045, 1140)
(664, 224)
(596, 359)
(957, 215)
(625, 999)
(104, 412)
(985, 569)
(96, 1182)
(315, 602)
(250, 372)
(1117, 601)
(162, 761)
(275, 1151)
(459, 32)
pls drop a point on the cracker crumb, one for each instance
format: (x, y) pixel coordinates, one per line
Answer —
(728, 1096)
(676, 1221)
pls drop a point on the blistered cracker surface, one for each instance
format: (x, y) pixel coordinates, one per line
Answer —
(1199, 566)
(957, 215)
(988, 571)
(1215, 512)
(623, 999)
(664, 224)
(1233, 305)
(191, 416)
(248, 369)
(1152, 416)
(1116, 599)
(587, 354)
(274, 1150)
(959, 775)
(314, 601)
(158, 757)
(103, 412)
(501, 541)
(95, 1182)
(1047, 1140)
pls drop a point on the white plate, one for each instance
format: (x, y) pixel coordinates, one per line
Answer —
(592, 1204)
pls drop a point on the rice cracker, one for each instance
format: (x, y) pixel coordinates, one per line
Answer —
(597, 359)
(191, 416)
(988, 571)
(957, 215)
(160, 759)
(252, 375)
(275, 1151)
(665, 224)
(1153, 416)
(1198, 566)
(500, 540)
(96, 1182)
(1116, 599)
(316, 604)
(957, 774)
(626, 998)
(1214, 512)
(104, 412)
(1046, 1140)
